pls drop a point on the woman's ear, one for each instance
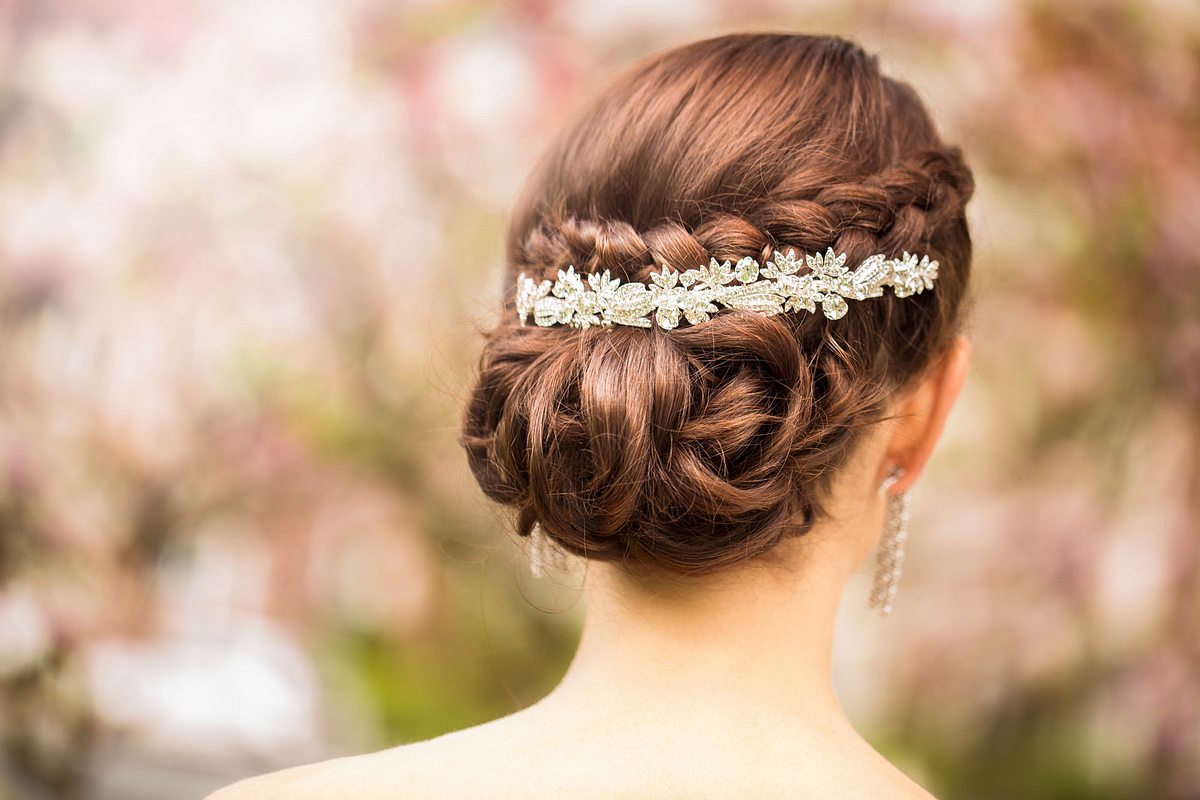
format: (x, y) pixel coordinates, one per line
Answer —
(920, 414)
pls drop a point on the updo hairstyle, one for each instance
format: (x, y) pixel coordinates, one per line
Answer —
(694, 449)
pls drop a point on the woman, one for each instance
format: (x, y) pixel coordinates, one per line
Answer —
(723, 416)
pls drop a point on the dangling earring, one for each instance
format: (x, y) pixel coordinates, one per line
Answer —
(891, 546)
(543, 553)
(537, 550)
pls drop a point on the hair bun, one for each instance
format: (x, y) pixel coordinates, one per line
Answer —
(685, 451)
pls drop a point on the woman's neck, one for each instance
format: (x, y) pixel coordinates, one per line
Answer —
(758, 639)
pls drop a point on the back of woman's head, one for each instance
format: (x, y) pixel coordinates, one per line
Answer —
(693, 449)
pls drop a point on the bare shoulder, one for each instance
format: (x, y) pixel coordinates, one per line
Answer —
(405, 772)
(388, 773)
(545, 755)
(336, 777)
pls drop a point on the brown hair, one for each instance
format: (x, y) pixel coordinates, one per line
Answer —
(693, 449)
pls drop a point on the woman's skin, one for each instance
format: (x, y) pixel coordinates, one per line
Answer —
(704, 688)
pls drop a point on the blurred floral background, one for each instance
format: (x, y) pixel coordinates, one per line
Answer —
(246, 249)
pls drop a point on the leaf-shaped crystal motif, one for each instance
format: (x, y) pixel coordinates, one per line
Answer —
(783, 265)
(698, 293)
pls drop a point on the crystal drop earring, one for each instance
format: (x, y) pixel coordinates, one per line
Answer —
(537, 550)
(543, 553)
(891, 546)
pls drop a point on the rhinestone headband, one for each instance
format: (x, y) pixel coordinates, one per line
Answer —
(696, 293)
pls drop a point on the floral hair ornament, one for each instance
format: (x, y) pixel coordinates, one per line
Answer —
(597, 299)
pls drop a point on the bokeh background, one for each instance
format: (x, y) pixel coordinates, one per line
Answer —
(246, 249)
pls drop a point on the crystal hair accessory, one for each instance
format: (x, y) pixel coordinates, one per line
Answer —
(695, 294)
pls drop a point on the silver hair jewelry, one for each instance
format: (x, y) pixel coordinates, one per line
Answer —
(597, 299)
(891, 546)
